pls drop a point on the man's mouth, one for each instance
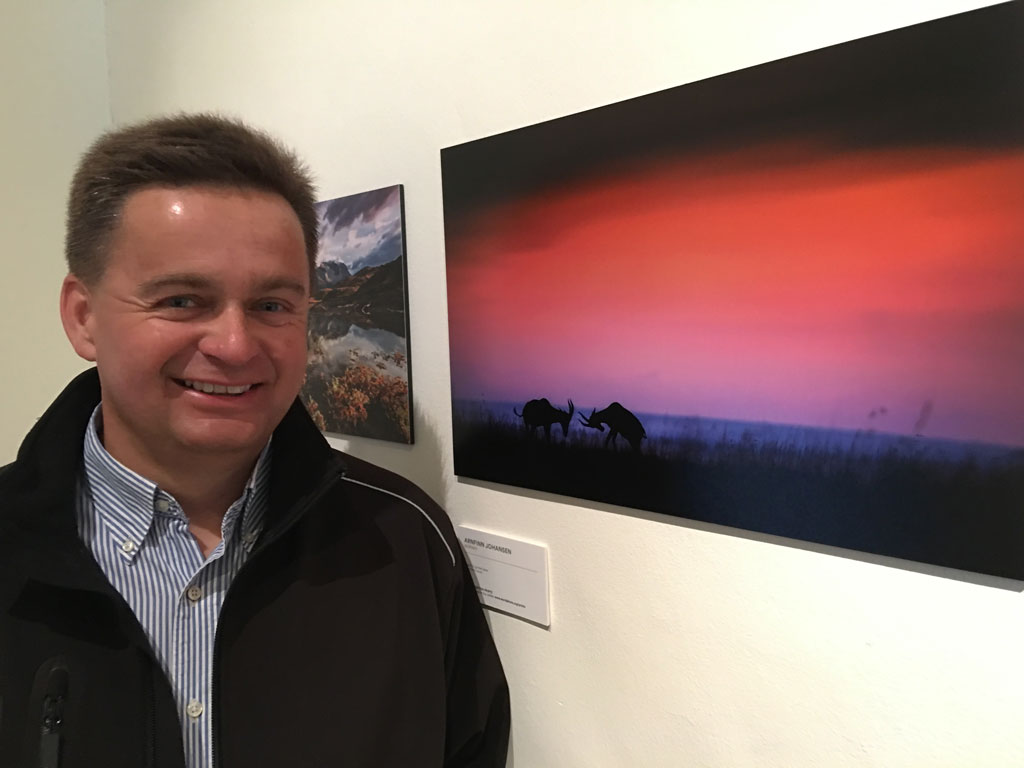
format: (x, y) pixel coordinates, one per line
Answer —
(216, 389)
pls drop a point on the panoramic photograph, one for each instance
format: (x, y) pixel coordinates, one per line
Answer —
(788, 299)
(357, 377)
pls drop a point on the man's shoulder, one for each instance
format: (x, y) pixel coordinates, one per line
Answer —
(390, 493)
(362, 471)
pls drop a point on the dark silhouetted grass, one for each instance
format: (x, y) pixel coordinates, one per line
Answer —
(957, 515)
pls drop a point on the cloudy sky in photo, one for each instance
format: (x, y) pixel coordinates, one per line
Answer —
(361, 230)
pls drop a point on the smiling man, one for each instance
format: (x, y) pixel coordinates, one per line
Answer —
(189, 574)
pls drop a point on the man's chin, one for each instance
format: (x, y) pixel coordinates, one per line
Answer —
(241, 440)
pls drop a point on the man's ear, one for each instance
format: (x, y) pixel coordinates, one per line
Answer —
(76, 313)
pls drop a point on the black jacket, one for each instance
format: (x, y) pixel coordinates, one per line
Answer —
(349, 637)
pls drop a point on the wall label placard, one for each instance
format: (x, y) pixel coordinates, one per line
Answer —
(510, 574)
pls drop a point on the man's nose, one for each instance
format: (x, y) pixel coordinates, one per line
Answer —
(229, 338)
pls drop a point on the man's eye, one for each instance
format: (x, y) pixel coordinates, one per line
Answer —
(180, 302)
(270, 306)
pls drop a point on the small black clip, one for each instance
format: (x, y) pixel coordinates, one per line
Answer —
(51, 724)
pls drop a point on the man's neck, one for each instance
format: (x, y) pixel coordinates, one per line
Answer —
(205, 506)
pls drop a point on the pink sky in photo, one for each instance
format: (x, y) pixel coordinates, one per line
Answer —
(787, 283)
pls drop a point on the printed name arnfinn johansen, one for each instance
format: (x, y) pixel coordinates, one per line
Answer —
(478, 543)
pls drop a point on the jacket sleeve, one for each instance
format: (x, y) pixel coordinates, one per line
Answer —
(478, 717)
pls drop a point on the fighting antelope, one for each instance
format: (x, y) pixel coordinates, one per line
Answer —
(541, 413)
(619, 422)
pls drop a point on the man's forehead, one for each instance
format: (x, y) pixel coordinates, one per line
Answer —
(202, 212)
(209, 237)
(177, 199)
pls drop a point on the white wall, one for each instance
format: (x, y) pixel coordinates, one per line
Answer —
(54, 100)
(672, 643)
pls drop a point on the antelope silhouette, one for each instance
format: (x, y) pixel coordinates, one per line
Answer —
(619, 422)
(541, 413)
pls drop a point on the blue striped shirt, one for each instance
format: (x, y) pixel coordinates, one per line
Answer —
(140, 538)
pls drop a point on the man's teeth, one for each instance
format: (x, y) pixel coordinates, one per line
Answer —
(216, 389)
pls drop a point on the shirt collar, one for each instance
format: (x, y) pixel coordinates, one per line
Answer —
(125, 502)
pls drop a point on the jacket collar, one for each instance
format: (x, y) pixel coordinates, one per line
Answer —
(45, 474)
(40, 487)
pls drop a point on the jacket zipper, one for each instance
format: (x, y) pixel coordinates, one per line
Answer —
(289, 522)
(51, 725)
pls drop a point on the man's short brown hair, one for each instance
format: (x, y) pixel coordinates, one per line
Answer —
(178, 151)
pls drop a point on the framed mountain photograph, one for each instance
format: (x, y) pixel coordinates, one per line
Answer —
(358, 380)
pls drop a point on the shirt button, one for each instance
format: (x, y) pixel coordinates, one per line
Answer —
(162, 505)
(194, 709)
(248, 539)
(128, 546)
(194, 593)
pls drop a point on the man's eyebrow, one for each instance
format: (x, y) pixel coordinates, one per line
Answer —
(181, 280)
(193, 281)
